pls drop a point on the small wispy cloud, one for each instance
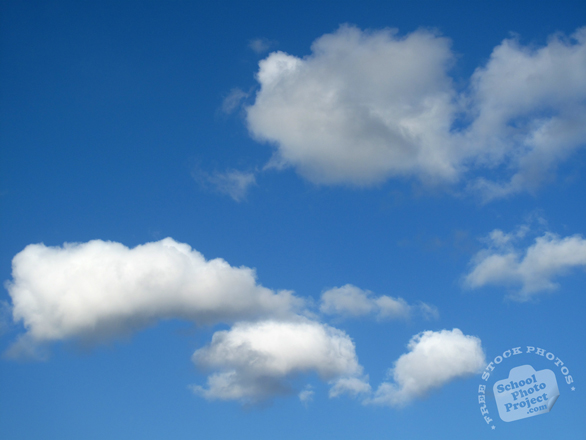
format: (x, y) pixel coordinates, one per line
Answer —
(352, 386)
(306, 395)
(233, 183)
(233, 100)
(352, 302)
(261, 45)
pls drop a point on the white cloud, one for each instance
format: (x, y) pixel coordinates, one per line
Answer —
(363, 107)
(427, 310)
(261, 45)
(351, 301)
(100, 289)
(233, 100)
(392, 308)
(232, 183)
(306, 395)
(368, 106)
(256, 361)
(434, 359)
(346, 300)
(529, 108)
(353, 386)
(532, 269)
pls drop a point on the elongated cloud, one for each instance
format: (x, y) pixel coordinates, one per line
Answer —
(256, 361)
(351, 301)
(434, 359)
(368, 106)
(531, 270)
(102, 288)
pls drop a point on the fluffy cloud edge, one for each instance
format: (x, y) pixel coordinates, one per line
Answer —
(102, 289)
(316, 110)
(235, 184)
(531, 270)
(251, 363)
(349, 301)
(434, 359)
(254, 362)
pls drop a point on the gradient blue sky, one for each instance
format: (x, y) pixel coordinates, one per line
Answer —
(116, 125)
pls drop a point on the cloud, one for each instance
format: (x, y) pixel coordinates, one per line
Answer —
(256, 361)
(351, 301)
(102, 289)
(346, 300)
(428, 311)
(353, 386)
(261, 45)
(233, 100)
(306, 395)
(365, 107)
(532, 269)
(362, 108)
(434, 359)
(529, 109)
(232, 183)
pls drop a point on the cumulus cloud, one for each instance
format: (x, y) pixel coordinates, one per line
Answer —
(364, 107)
(531, 270)
(256, 361)
(102, 289)
(529, 109)
(434, 359)
(351, 301)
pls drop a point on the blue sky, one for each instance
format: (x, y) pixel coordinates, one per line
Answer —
(311, 219)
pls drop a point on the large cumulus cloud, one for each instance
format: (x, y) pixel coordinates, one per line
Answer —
(364, 107)
(102, 288)
(361, 108)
